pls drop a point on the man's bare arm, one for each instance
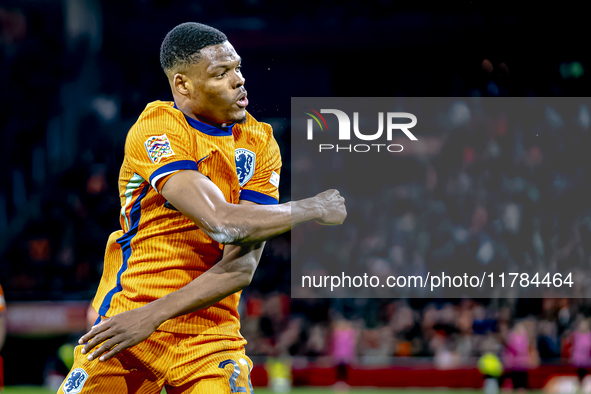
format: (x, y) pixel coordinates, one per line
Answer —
(247, 225)
(229, 275)
(199, 199)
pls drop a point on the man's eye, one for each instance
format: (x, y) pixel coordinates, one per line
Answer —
(238, 68)
(222, 74)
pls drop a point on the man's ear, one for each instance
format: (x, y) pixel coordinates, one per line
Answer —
(180, 84)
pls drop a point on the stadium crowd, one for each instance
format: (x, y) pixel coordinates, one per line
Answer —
(503, 193)
(377, 331)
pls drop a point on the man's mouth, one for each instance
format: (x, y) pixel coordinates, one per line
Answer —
(242, 101)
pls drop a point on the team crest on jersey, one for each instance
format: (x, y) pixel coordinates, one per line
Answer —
(75, 381)
(158, 147)
(245, 161)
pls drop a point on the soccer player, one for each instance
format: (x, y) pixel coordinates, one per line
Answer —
(199, 195)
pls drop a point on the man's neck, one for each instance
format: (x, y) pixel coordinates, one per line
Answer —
(187, 112)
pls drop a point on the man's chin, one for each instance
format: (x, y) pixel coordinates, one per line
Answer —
(240, 116)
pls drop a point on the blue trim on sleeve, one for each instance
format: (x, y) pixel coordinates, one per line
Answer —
(174, 166)
(259, 198)
(125, 242)
(98, 320)
(207, 128)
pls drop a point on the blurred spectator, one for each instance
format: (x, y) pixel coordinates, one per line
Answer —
(344, 344)
(516, 356)
(547, 340)
(581, 345)
(446, 356)
(279, 374)
(317, 343)
(375, 346)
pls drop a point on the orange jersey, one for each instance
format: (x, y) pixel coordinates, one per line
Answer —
(159, 250)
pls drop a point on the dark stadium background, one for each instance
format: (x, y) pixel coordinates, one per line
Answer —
(74, 75)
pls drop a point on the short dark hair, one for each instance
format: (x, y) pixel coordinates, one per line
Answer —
(183, 44)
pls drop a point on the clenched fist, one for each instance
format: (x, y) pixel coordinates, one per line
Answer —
(332, 206)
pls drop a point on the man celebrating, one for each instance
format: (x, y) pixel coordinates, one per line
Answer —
(199, 196)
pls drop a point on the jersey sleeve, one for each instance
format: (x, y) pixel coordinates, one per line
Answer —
(159, 146)
(263, 187)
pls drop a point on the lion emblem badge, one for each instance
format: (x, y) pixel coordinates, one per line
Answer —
(245, 162)
(75, 381)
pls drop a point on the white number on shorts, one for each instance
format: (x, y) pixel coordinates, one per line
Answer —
(235, 374)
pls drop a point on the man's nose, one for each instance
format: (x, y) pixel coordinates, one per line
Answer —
(239, 81)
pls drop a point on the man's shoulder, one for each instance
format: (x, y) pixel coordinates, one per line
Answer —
(255, 129)
(158, 117)
(160, 110)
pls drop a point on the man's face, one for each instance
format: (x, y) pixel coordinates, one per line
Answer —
(217, 93)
